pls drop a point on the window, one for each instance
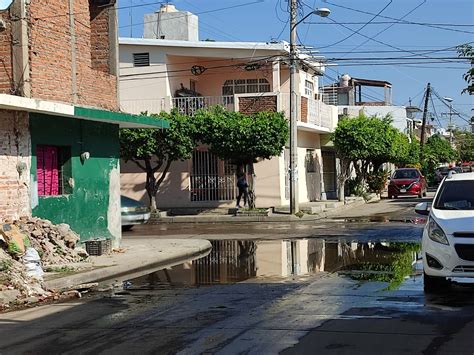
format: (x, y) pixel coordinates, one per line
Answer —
(456, 195)
(245, 86)
(141, 59)
(309, 88)
(53, 170)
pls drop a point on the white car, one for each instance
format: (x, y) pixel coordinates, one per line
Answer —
(448, 236)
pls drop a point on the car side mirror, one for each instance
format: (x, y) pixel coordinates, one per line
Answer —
(423, 208)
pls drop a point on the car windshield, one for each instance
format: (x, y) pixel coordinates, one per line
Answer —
(405, 174)
(456, 195)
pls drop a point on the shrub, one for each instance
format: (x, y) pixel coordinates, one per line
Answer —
(377, 180)
(356, 187)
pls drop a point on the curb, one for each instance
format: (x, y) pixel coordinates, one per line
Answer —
(137, 265)
(275, 217)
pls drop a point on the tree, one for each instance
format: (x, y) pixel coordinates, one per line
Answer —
(241, 138)
(467, 50)
(437, 150)
(153, 150)
(366, 143)
(464, 141)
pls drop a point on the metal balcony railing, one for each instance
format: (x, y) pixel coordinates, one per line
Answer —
(189, 105)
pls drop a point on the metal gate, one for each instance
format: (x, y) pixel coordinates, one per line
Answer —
(211, 179)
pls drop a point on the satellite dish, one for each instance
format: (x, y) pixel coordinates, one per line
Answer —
(5, 4)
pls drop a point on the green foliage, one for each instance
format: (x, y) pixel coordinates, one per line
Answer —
(467, 50)
(26, 241)
(5, 265)
(464, 141)
(370, 139)
(356, 187)
(377, 180)
(172, 144)
(439, 150)
(153, 150)
(13, 248)
(394, 272)
(242, 138)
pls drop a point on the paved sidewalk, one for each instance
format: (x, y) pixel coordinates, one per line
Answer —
(134, 259)
(313, 211)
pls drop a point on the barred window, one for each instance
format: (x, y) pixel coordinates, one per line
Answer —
(245, 86)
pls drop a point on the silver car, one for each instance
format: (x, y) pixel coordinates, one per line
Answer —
(133, 212)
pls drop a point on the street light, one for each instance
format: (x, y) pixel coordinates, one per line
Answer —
(323, 12)
(450, 128)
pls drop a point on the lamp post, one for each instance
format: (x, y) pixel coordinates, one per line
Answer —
(293, 173)
(450, 127)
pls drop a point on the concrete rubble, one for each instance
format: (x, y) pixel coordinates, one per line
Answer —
(55, 244)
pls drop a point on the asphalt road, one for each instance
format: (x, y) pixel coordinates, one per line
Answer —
(262, 295)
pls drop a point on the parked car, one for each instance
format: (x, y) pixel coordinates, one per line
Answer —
(443, 171)
(407, 182)
(133, 212)
(448, 236)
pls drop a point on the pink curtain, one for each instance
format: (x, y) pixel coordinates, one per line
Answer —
(47, 170)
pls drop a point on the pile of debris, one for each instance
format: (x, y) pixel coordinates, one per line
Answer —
(26, 245)
(56, 244)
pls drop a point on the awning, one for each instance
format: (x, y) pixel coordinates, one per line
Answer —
(124, 120)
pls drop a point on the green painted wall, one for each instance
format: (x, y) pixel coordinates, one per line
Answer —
(87, 209)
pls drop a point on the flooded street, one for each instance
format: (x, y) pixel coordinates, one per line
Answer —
(339, 286)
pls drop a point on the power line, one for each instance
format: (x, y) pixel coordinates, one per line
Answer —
(394, 19)
(388, 27)
(360, 29)
(376, 40)
(397, 22)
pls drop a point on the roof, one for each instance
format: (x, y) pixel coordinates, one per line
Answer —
(461, 176)
(282, 47)
(371, 82)
(124, 120)
(279, 46)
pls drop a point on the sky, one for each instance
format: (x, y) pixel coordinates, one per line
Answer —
(354, 32)
(4, 4)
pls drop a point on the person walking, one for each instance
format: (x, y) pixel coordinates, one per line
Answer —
(242, 185)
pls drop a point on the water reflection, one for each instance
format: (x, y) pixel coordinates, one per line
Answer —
(232, 261)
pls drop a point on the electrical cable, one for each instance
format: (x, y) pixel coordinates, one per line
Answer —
(360, 29)
(375, 40)
(387, 28)
(392, 18)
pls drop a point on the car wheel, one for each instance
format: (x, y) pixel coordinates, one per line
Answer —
(434, 284)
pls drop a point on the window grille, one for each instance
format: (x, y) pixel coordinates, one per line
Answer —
(211, 179)
(245, 86)
(141, 59)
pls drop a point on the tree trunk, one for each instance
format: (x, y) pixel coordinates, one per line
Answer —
(252, 196)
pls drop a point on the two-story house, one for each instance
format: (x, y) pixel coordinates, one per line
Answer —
(171, 68)
(59, 119)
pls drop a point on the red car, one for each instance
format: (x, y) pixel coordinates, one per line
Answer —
(407, 182)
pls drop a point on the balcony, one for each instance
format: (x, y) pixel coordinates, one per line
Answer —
(313, 115)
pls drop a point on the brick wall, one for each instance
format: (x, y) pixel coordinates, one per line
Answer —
(304, 109)
(14, 153)
(6, 72)
(100, 46)
(50, 54)
(250, 105)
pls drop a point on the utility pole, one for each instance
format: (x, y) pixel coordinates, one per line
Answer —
(423, 124)
(293, 173)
